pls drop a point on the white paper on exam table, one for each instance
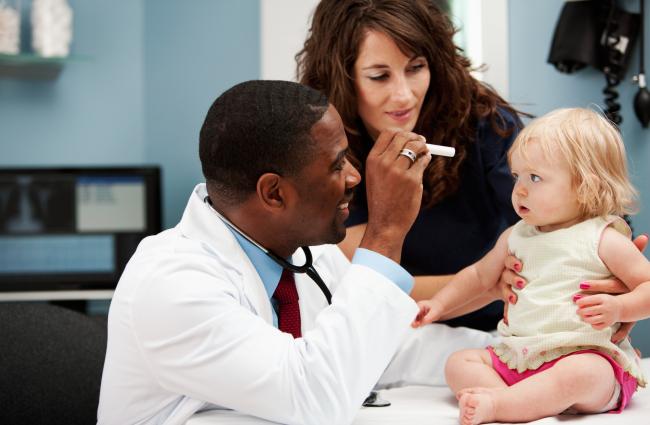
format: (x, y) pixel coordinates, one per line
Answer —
(415, 405)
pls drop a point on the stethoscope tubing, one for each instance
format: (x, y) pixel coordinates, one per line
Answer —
(307, 268)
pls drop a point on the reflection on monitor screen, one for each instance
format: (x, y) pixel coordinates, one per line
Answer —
(110, 204)
(73, 228)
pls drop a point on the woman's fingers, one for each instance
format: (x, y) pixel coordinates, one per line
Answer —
(606, 286)
(641, 242)
(513, 263)
(510, 278)
(508, 295)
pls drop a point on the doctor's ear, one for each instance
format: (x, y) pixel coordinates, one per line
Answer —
(270, 190)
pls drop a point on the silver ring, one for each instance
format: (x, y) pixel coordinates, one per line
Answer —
(409, 154)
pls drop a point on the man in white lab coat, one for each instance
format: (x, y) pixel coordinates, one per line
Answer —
(197, 320)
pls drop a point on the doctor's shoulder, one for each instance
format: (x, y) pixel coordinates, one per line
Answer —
(171, 258)
(331, 264)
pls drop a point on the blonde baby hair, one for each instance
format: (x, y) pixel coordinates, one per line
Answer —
(594, 151)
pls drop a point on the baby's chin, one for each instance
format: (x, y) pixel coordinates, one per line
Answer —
(531, 221)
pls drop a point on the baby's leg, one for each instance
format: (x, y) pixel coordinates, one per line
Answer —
(585, 382)
(471, 368)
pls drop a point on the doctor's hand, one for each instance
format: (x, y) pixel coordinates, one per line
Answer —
(394, 169)
(430, 311)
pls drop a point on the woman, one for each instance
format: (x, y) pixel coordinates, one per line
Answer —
(393, 63)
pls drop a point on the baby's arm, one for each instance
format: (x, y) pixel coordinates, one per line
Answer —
(466, 285)
(626, 262)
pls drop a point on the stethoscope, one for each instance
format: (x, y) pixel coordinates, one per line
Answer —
(307, 268)
(373, 400)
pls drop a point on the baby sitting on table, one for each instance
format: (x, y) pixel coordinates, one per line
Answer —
(571, 188)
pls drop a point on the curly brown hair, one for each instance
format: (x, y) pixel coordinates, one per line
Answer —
(454, 104)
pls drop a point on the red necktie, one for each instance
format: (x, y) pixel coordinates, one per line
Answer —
(287, 297)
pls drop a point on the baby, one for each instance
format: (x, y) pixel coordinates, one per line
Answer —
(571, 187)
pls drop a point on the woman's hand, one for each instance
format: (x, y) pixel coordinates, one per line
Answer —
(509, 278)
(592, 288)
(587, 296)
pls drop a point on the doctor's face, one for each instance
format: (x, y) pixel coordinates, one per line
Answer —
(324, 186)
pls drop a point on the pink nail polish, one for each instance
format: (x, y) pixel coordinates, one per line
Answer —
(517, 267)
(585, 285)
(519, 284)
(511, 298)
(576, 297)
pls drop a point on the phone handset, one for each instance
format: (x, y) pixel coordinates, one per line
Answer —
(600, 34)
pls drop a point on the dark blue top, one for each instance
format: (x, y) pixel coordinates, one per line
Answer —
(461, 228)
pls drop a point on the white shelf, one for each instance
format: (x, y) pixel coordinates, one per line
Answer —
(106, 294)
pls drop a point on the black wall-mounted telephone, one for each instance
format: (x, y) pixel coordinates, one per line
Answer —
(600, 34)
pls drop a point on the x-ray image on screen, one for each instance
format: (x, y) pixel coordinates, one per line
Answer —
(73, 228)
(35, 204)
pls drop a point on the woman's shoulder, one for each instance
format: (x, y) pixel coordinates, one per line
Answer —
(505, 119)
(497, 132)
(509, 114)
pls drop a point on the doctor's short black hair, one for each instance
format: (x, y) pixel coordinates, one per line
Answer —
(257, 127)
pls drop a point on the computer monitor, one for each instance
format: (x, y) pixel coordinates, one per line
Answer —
(73, 228)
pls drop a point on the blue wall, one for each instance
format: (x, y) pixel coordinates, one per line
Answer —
(93, 113)
(145, 74)
(537, 87)
(194, 51)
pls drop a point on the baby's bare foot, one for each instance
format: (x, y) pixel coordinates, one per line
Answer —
(473, 390)
(476, 407)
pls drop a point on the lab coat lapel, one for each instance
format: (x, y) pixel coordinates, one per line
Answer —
(201, 223)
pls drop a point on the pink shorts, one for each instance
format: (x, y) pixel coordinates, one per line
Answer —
(627, 383)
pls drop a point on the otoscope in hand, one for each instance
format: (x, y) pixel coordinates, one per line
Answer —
(441, 150)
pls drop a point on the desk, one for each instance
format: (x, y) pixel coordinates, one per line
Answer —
(437, 406)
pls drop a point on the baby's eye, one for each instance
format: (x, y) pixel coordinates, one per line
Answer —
(535, 178)
(515, 176)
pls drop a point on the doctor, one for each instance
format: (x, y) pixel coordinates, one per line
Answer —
(205, 316)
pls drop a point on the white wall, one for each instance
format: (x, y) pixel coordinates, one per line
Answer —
(283, 28)
(284, 25)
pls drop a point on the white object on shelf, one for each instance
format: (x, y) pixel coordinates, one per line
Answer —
(51, 27)
(9, 29)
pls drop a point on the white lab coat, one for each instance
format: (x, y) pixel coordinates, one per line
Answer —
(190, 327)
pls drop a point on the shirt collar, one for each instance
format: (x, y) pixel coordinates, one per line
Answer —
(269, 270)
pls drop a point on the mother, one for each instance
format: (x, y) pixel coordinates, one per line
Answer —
(393, 63)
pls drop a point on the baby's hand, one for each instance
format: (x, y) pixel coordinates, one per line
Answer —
(600, 310)
(430, 311)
